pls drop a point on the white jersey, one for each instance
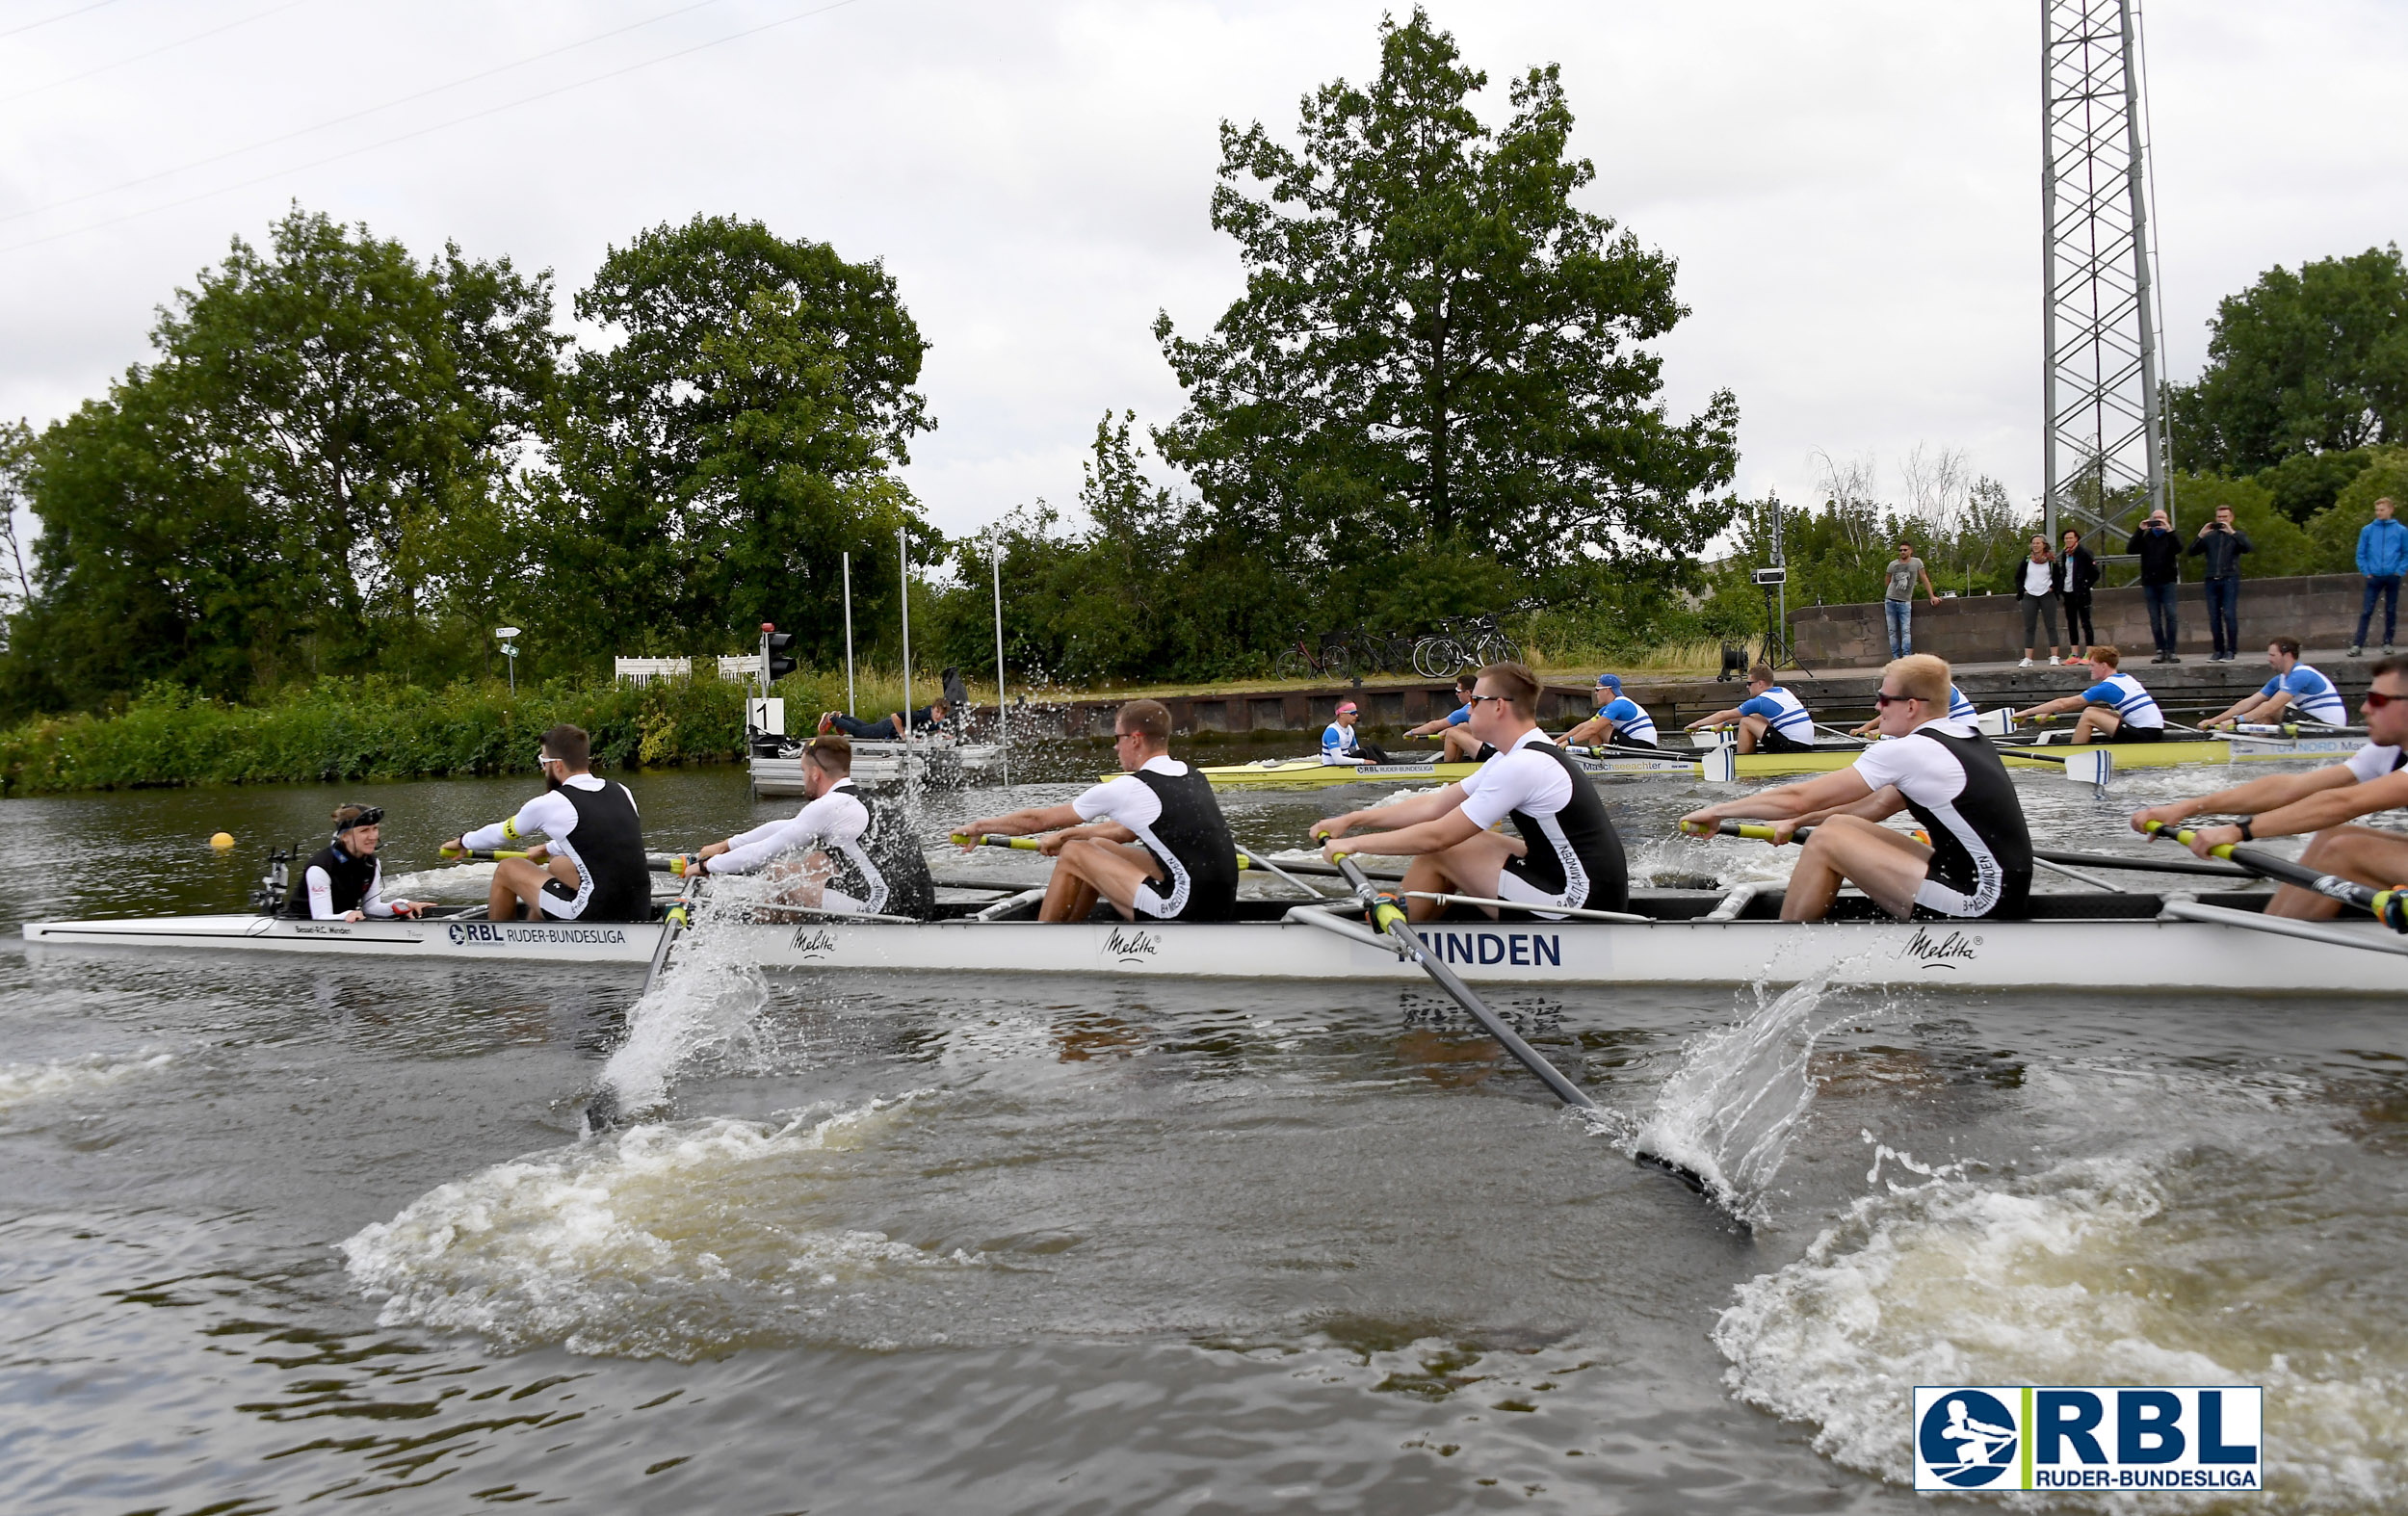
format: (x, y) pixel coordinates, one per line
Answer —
(1340, 745)
(1981, 850)
(1785, 710)
(2123, 695)
(1960, 709)
(835, 820)
(2372, 762)
(319, 888)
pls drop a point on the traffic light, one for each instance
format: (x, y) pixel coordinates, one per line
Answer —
(773, 644)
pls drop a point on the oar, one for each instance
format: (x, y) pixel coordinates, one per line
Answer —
(1390, 917)
(602, 1111)
(658, 863)
(2388, 907)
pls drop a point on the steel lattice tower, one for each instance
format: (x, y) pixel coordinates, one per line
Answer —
(2104, 439)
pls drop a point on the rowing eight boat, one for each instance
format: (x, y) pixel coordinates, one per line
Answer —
(2076, 941)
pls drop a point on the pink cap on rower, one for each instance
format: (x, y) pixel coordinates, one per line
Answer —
(1345, 708)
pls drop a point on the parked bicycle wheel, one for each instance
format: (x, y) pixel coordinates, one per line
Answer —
(1437, 658)
(1292, 665)
(1334, 662)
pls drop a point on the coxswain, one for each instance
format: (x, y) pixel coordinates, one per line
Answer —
(592, 865)
(1770, 719)
(1452, 729)
(1979, 863)
(929, 720)
(1620, 721)
(2114, 710)
(1565, 853)
(842, 852)
(1151, 840)
(1961, 709)
(341, 880)
(2294, 686)
(2375, 778)
(1342, 744)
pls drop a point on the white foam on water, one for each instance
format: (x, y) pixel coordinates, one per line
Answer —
(1728, 1113)
(2111, 1269)
(704, 1002)
(22, 1084)
(460, 882)
(660, 1241)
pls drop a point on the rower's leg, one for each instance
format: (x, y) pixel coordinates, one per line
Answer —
(2362, 853)
(1752, 732)
(2097, 723)
(518, 882)
(801, 881)
(1067, 898)
(1460, 745)
(1468, 867)
(1105, 870)
(1886, 864)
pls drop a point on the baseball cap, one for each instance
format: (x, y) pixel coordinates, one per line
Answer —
(1610, 682)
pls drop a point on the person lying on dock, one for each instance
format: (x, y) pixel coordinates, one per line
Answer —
(1979, 863)
(1960, 710)
(341, 880)
(591, 866)
(1620, 721)
(1453, 729)
(1770, 719)
(2375, 778)
(1340, 743)
(843, 851)
(1151, 840)
(2294, 686)
(929, 720)
(2114, 710)
(1567, 854)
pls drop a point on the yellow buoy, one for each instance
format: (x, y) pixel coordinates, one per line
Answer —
(221, 841)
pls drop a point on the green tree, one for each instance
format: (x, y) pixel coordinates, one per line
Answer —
(738, 432)
(285, 488)
(2311, 361)
(1435, 346)
(2334, 531)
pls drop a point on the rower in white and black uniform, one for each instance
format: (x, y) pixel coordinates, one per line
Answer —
(843, 851)
(1620, 721)
(1770, 719)
(1565, 852)
(2322, 802)
(1152, 840)
(1979, 863)
(341, 881)
(1961, 709)
(591, 866)
(2117, 709)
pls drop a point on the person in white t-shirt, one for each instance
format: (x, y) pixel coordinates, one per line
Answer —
(2375, 778)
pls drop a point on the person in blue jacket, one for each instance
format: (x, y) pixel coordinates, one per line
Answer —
(2382, 557)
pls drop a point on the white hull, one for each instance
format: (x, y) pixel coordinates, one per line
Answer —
(2075, 955)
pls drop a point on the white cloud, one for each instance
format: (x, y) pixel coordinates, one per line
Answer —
(1850, 188)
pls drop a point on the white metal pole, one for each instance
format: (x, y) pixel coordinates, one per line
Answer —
(902, 558)
(1003, 712)
(853, 706)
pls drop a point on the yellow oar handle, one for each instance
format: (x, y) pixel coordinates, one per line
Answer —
(996, 840)
(2184, 835)
(478, 854)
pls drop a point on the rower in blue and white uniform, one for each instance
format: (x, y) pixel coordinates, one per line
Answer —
(1150, 842)
(1457, 744)
(1620, 721)
(1978, 862)
(342, 880)
(2117, 709)
(1770, 719)
(1564, 852)
(592, 865)
(1340, 744)
(2294, 686)
(843, 851)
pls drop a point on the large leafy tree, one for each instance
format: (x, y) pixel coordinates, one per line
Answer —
(2309, 361)
(738, 432)
(312, 475)
(1436, 347)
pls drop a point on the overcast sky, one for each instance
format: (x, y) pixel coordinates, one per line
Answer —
(1850, 188)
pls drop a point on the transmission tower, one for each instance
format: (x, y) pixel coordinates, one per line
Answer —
(2105, 438)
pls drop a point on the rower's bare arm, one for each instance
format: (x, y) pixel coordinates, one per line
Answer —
(2332, 806)
(2254, 798)
(1405, 812)
(1428, 728)
(1719, 718)
(1592, 730)
(2071, 702)
(1404, 842)
(1877, 806)
(1023, 822)
(1824, 792)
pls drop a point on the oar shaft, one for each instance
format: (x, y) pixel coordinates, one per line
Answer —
(2387, 904)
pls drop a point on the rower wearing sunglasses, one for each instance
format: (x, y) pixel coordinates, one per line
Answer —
(591, 866)
(2375, 778)
(340, 883)
(1979, 863)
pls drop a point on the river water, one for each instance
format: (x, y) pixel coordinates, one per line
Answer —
(275, 1232)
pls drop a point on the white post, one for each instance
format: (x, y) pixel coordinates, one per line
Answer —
(1003, 712)
(853, 706)
(902, 558)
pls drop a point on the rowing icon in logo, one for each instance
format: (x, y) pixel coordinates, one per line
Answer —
(1967, 1438)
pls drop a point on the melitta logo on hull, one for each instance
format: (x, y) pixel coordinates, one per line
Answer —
(500, 934)
(2091, 1437)
(1131, 946)
(814, 942)
(1941, 952)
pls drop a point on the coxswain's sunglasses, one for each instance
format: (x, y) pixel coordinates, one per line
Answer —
(373, 815)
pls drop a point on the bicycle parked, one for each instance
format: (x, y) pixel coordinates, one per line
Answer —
(1463, 643)
(1304, 660)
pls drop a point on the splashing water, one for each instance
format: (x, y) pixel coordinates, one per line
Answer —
(704, 1002)
(1727, 1112)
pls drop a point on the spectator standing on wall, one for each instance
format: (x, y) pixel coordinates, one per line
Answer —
(2382, 557)
(2035, 591)
(2160, 576)
(2221, 543)
(1898, 600)
(2077, 573)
